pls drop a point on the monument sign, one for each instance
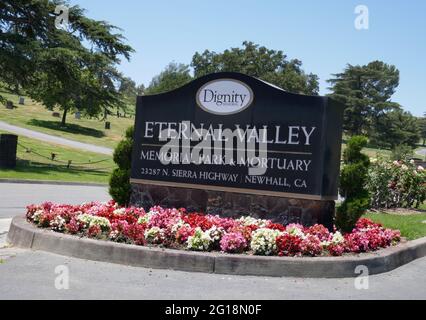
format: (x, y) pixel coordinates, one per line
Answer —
(231, 144)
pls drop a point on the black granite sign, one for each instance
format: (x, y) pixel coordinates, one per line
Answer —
(234, 133)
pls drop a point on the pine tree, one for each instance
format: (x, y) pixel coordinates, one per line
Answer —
(366, 92)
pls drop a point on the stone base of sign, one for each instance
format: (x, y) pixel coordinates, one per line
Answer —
(234, 205)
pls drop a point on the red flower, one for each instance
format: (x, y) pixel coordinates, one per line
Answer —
(276, 226)
(197, 220)
(289, 245)
(135, 232)
(94, 231)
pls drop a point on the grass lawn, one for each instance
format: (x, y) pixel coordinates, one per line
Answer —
(36, 117)
(371, 152)
(411, 226)
(37, 164)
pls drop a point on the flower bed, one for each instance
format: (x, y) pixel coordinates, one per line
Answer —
(174, 228)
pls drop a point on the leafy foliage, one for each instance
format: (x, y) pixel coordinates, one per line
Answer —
(174, 76)
(352, 184)
(395, 128)
(366, 92)
(260, 62)
(71, 69)
(119, 184)
(422, 126)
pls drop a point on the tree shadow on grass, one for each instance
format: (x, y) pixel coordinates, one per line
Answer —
(34, 167)
(70, 128)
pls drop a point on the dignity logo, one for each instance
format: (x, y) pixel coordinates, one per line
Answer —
(224, 96)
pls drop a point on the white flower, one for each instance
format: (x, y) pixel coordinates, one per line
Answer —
(295, 230)
(90, 221)
(36, 216)
(113, 234)
(143, 219)
(58, 223)
(337, 238)
(215, 233)
(120, 211)
(263, 241)
(200, 241)
(247, 221)
(420, 168)
(154, 235)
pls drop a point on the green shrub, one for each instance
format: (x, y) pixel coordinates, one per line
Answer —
(352, 184)
(119, 183)
(123, 154)
(349, 213)
(129, 133)
(119, 186)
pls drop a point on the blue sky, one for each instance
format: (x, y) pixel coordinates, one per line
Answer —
(320, 33)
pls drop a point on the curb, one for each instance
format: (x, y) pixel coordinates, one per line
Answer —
(48, 182)
(25, 235)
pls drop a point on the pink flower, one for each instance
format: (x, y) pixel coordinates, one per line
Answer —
(233, 242)
(172, 228)
(311, 246)
(336, 249)
(319, 231)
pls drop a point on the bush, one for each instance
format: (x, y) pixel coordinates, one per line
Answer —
(119, 186)
(352, 184)
(350, 211)
(123, 154)
(119, 183)
(396, 184)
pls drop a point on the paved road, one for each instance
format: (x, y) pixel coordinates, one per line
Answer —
(52, 139)
(14, 197)
(31, 274)
(421, 152)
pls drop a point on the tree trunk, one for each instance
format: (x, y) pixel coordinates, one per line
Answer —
(64, 117)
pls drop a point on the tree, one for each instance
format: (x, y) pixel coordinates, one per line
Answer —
(396, 128)
(128, 88)
(129, 92)
(422, 126)
(71, 69)
(174, 76)
(260, 62)
(366, 92)
(140, 90)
